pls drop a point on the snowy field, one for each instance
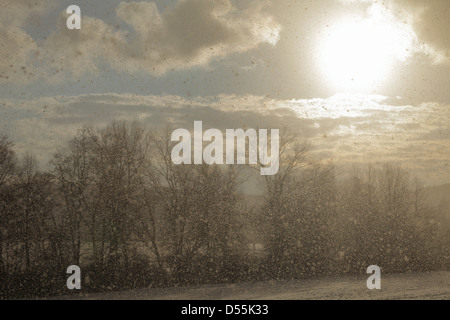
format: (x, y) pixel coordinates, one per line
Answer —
(412, 286)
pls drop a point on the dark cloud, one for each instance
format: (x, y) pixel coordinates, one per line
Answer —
(191, 33)
(432, 22)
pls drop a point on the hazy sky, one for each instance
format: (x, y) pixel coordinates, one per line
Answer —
(365, 81)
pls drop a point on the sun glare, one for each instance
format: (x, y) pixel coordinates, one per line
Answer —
(357, 56)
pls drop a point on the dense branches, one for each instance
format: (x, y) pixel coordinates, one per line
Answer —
(115, 204)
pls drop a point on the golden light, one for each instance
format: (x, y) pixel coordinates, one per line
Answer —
(357, 56)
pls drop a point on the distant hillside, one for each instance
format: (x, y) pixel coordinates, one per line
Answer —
(435, 196)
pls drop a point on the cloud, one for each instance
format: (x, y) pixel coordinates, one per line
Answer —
(17, 48)
(348, 128)
(189, 34)
(17, 12)
(81, 51)
(192, 33)
(429, 20)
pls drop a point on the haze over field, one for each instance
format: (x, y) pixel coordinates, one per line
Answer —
(416, 286)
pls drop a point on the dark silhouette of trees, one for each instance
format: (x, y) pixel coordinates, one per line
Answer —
(199, 212)
(385, 220)
(7, 169)
(114, 204)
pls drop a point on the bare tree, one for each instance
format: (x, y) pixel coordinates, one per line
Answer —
(101, 181)
(7, 168)
(73, 174)
(32, 209)
(199, 209)
(383, 219)
(279, 210)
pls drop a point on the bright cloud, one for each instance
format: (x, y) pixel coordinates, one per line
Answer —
(347, 128)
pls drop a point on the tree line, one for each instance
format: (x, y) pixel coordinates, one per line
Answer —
(114, 204)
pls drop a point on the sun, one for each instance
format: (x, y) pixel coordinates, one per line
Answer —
(357, 56)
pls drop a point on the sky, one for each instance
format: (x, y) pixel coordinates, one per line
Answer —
(364, 81)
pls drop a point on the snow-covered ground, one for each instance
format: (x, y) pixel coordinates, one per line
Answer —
(432, 285)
